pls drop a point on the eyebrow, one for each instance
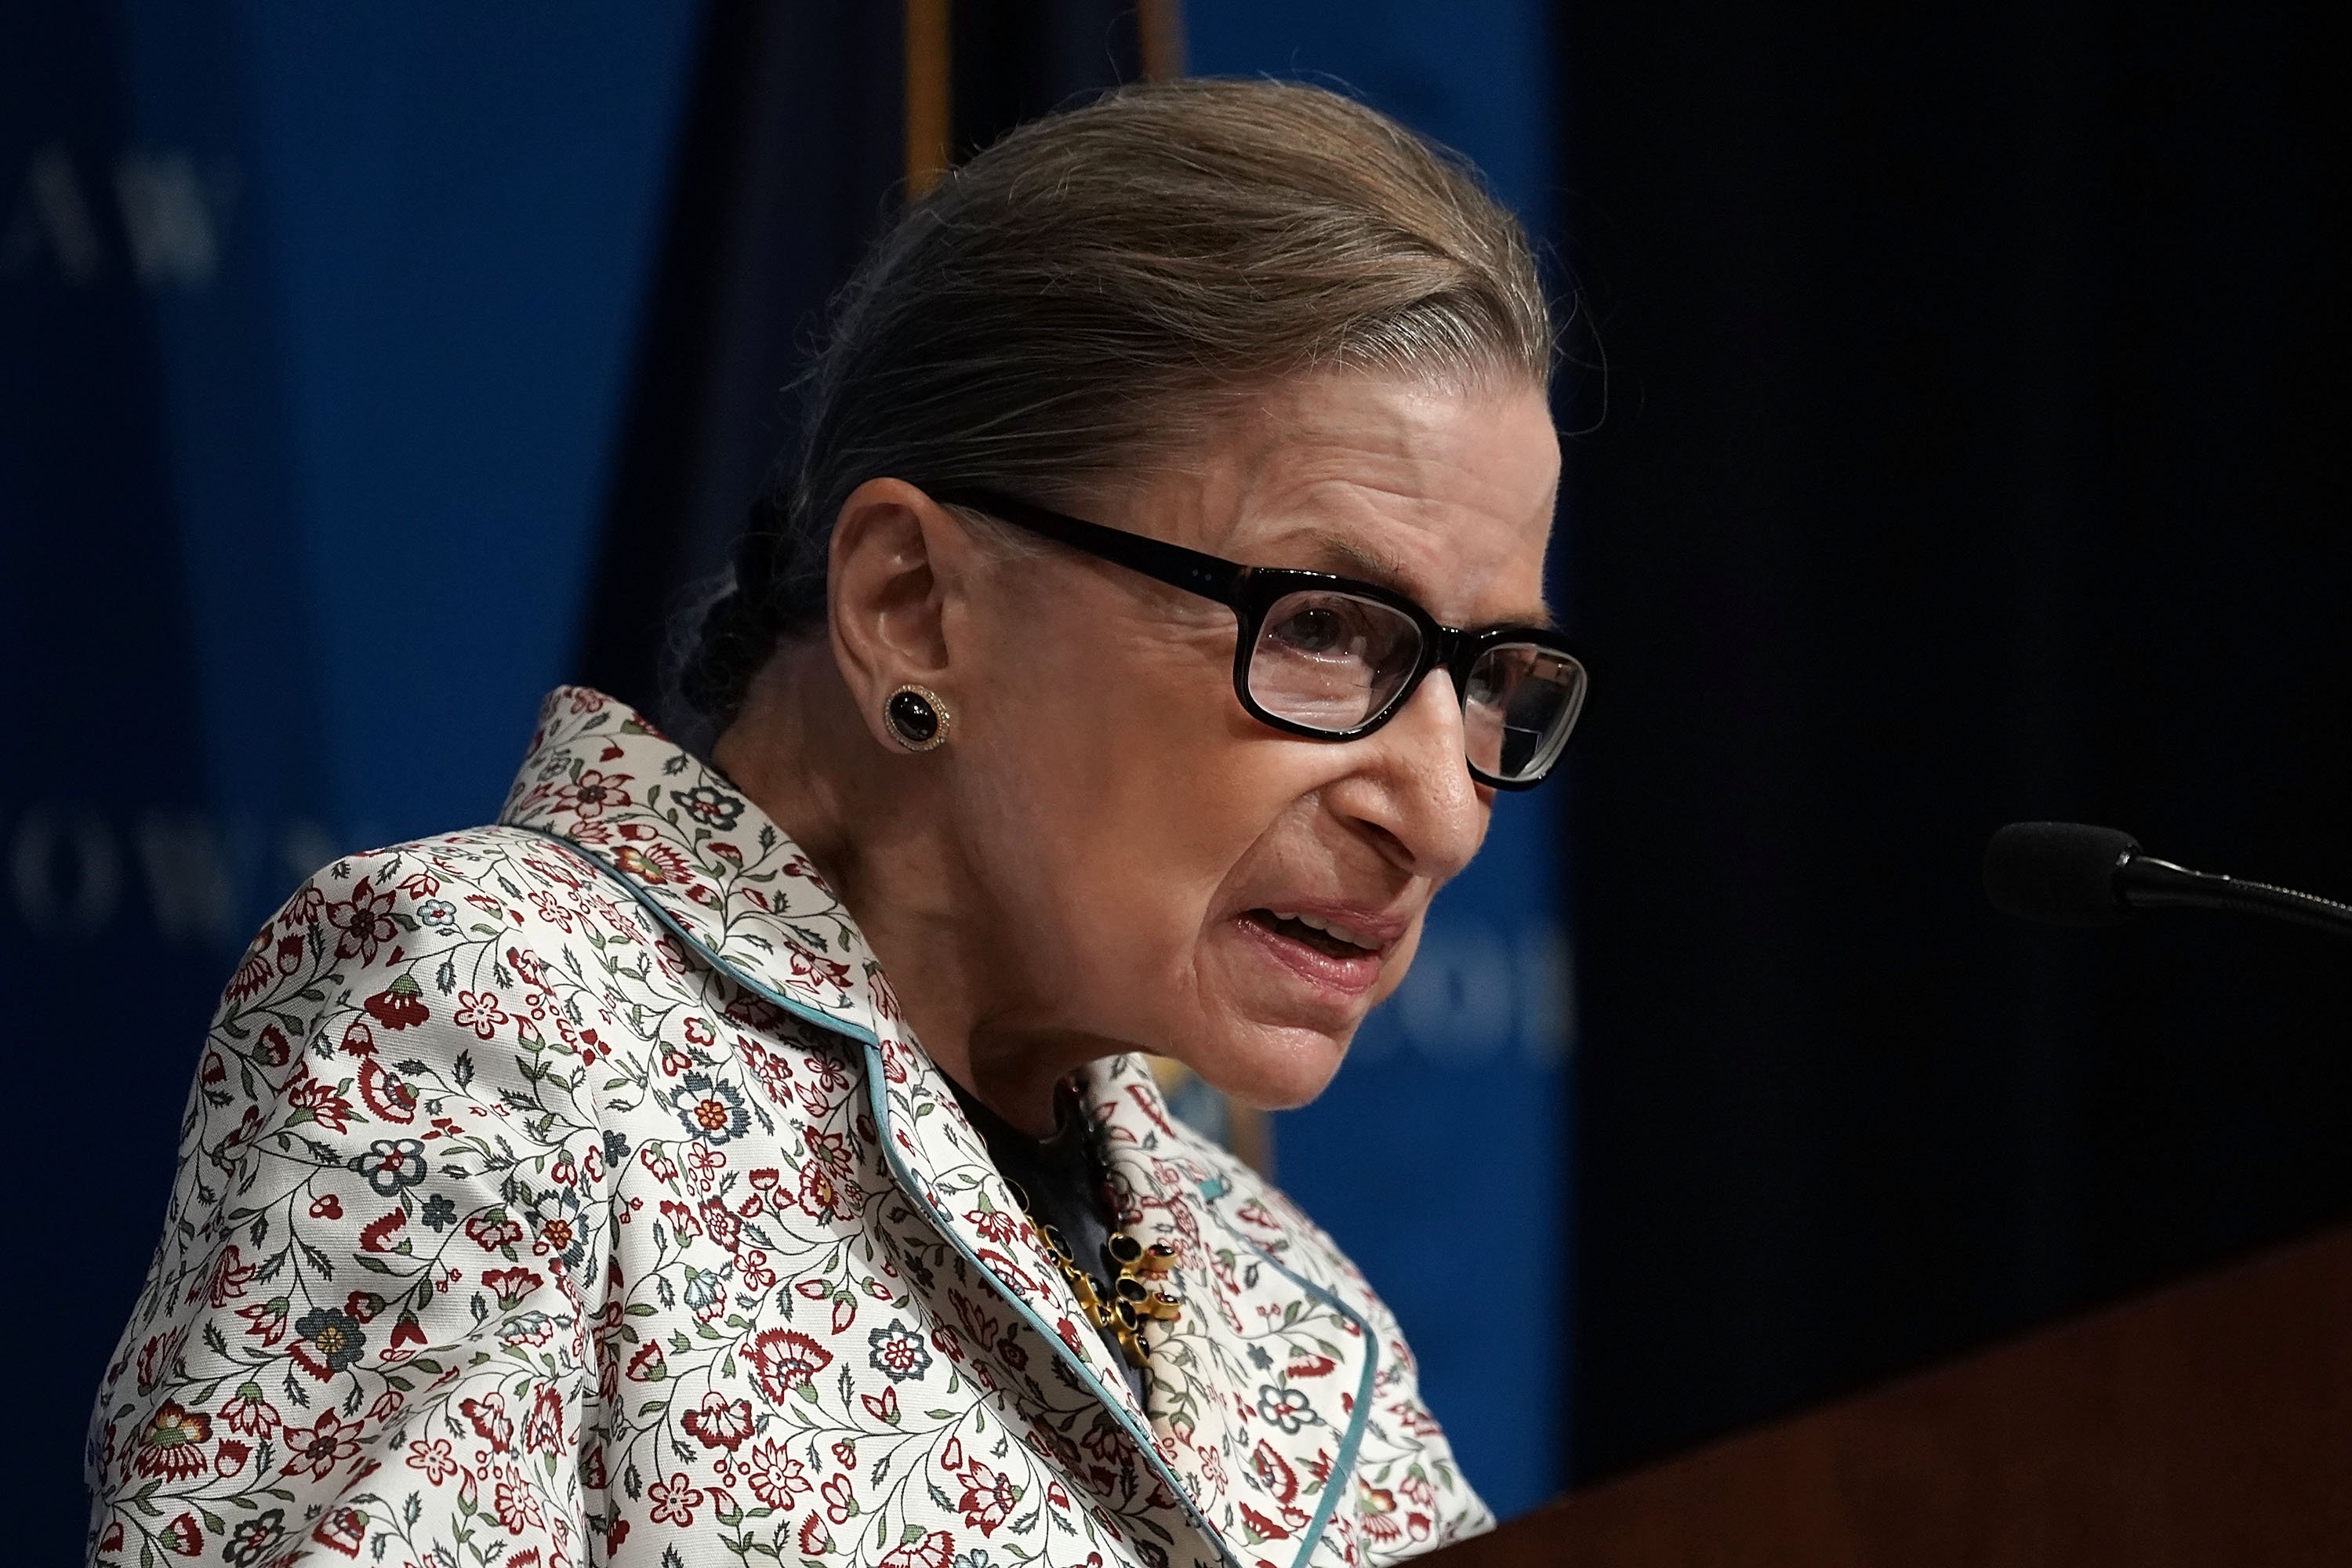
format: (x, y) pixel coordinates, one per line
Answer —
(1389, 571)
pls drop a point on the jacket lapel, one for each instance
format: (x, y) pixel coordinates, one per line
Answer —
(941, 1159)
(732, 887)
(705, 860)
(1260, 1389)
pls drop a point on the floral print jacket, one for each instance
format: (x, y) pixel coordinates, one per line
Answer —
(569, 1190)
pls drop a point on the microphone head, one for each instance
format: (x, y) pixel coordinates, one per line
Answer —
(2062, 873)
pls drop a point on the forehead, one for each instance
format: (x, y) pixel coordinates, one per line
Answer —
(1444, 495)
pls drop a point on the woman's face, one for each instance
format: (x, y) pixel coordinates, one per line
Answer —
(1153, 853)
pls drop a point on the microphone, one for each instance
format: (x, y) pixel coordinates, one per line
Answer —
(2072, 874)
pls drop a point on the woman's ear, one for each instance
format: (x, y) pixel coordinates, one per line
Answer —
(896, 583)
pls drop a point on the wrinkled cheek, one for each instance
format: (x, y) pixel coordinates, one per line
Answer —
(1400, 960)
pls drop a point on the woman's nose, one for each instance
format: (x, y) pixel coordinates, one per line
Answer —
(1414, 795)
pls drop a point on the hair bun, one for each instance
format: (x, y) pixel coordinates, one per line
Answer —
(717, 669)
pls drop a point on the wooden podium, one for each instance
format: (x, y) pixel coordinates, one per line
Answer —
(2207, 1424)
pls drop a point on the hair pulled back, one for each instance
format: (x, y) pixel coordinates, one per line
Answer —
(1081, 297)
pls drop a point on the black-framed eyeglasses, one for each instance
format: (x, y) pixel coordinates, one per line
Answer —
(1333, 658)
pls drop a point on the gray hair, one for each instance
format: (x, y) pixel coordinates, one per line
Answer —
(1081, 298)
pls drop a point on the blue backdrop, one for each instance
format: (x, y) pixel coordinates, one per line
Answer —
(316, 321)
(314, 329)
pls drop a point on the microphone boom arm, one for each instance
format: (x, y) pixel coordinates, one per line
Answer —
(2143, 882)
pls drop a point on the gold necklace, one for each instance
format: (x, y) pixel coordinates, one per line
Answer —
(1133, 1296)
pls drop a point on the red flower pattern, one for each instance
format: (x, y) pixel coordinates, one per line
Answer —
(774, 1475)
(452, 1334)
(316, 1451)
(988, 1496)
(785, 1359)
(675, 1501)
(435, 1459)
(362, 922)
(400, 1005)
(719, 1422)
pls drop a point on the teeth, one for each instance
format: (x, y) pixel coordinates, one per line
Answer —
(1329, 928)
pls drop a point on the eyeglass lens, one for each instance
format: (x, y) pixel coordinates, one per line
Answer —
(1333, 662)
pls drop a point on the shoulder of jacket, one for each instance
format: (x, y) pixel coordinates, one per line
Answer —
(472, 916)
(474, 882)
(462, 853)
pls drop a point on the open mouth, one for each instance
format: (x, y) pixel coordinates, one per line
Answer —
(1331, 940)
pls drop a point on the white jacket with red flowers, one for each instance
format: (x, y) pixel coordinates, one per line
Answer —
(568, 1191)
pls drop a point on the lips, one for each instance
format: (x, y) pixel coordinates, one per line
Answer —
(1337, 951)
(1326, 936)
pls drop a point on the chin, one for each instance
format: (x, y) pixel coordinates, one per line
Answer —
(1269, 1068)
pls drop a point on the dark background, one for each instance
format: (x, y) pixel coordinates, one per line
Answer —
(1974, 450)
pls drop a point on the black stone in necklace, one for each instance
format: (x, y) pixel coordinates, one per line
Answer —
(1059, 1182)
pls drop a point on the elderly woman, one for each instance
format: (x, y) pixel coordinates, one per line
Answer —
(750, 1159)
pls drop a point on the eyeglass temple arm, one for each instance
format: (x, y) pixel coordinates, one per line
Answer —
(1207, 575)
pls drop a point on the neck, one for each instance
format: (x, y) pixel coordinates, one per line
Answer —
(879, 824)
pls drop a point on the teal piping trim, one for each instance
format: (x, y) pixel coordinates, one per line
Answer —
(668, 921)
(1145, 1445)
(878, 1101)
(1343, 1467)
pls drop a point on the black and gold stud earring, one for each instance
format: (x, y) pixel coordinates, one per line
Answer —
(916, 718)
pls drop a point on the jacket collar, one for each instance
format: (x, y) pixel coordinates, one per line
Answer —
(701, 856)
(728, 882)
(725, 879)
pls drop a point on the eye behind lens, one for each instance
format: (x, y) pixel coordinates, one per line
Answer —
(1312, 629)
(1329, 661)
